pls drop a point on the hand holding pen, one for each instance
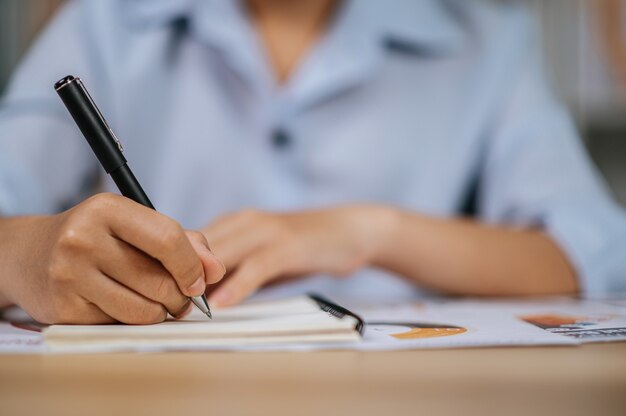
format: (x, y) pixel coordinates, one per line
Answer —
(109, 259)
(114, 258)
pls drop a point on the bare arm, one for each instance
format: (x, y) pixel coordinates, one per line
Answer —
(453, 256)
(13, 246)
(466, 257)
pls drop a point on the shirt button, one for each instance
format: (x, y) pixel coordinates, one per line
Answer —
(280, 138)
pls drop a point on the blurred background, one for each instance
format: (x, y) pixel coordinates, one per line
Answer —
(584, 45)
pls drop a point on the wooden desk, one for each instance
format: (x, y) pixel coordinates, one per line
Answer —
(588, 380)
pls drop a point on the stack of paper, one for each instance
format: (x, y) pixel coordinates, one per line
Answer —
(295, 321)
(298, 324)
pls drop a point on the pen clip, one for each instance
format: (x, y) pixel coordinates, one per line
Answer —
(338, 311)
(117, 141)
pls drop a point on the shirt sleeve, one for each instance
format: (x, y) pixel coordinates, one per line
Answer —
(45, 165)
(537, 173)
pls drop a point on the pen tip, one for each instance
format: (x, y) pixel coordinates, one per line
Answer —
(202, 304)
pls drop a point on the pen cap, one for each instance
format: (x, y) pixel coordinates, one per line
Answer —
(91, 122)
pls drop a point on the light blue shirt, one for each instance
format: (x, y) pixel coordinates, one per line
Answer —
(425, 105)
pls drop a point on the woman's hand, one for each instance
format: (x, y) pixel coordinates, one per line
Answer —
(108, 259)
(259, 247)
(454, 256)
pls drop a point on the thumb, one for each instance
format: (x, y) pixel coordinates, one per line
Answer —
(214, 269)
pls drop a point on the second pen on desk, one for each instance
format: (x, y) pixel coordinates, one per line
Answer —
(107, 148)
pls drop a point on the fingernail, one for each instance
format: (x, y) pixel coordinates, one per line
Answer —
(198, 287)
(221, 297)
(186, 312)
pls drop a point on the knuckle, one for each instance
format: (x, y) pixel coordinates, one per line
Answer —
(198, 236)
(149, 313)
(59, 271)
(72, 239)
(171, 234)
(180, 308)
(166, 288)
(100, 202)
(153, 314)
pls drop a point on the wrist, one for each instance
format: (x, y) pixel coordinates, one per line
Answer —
(378, 225)
(18, 254)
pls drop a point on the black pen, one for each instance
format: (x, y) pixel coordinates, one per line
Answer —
(107, 148)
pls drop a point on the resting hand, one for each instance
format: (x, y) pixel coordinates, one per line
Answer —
(260, 247)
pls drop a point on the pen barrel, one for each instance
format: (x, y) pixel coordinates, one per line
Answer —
(91, 123)
(129, 186)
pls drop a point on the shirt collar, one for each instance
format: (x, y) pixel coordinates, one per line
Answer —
(427, 24)
(353, 50)
(149, 13)
(348, 55)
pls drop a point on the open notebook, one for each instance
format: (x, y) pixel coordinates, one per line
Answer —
(303, 319)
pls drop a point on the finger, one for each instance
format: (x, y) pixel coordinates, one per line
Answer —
(93, 315)
(121, 303)
(252, 274)
(160, 237)
(214, 269)
(234, 248)
(141, 273)
(83, 312)
(229, 224)
(225, 235)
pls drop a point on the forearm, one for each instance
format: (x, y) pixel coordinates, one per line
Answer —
(14, 233)
(468, 258)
